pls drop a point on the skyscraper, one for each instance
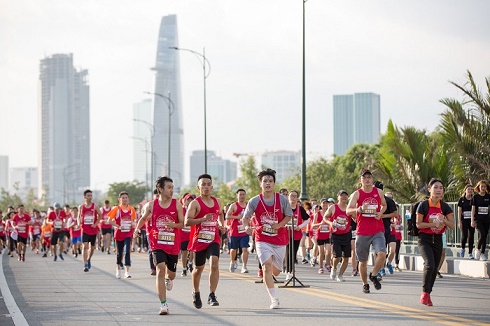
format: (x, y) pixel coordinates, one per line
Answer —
(64, 129)
(142, 151)
(285, 163)
(4, 172)
(356, 120)
(167, 85)
(220, 169)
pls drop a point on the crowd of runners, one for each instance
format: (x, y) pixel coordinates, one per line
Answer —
(327, 234)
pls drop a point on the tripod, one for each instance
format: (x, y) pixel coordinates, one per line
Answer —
(292, 259)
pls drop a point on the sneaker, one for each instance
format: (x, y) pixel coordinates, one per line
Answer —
(61, 257)
(189, 266)
(429, 301)
(398, 269)
(55, 257)
(153, 272)
(461, 253)
(288, 277)
(320, 271)
(232, 267)
(470, 256)
(355, 272)
(390, 268)
(89, 264)
(382, 272)
(24, 258)
(328, 268)
(235, 266)
(240, 259)
(184, 272)
(212, 300)
(169, 284)
(108, 251)
(260, 273)
(244, 270)
(304, 261)
(340, 278)
(127, 275)
(45, 255)
(274, 304)
(379, 277)
(477, 254)
(425, 299)
(79, 251)
(333, 274)
(196, 300)
(85, 268)
(365, 288)
(482, 257)
(118, 271)
(375, 281)
(439, 275)
(163, 309)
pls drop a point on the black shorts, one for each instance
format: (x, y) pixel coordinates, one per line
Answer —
(201, 256)
(160, 256)
(21, 240)
(388, 237)
(55, 236)
(34, 237)
(106, 230)
(341, 244)
(184, 245)
(323, 242)
(3, 238)
(89, 238)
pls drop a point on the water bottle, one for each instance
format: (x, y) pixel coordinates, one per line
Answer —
(407, 214)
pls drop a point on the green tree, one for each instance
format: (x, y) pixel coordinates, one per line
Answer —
(248, 180)
(225, 194)
(135, 189)
(8, 200)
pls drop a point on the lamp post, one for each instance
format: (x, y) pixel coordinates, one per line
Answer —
(171, 109)
(152, 133)
(203, 60)
(304, 195)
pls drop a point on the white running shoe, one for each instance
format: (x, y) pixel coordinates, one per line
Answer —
(288, 277)
(163, 309)
(169, 284)
(232, 267)
(477, 254)
(127, 275)
(274, 304)
(118, 272)
(483, 257)
(244, 270)
(333, 273)
(340, 278)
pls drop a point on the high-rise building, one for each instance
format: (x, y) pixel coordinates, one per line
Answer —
(356, 120)
(142, 150)
(220, 169)
(4, 172)
(167, 118)
(23, 180)
(285, 163)
(64, 129)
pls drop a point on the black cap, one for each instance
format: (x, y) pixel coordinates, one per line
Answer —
(378, 184)
(323, 200)
(364, 171)
(341, 192)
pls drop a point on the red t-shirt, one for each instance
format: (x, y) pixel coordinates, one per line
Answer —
(125, 219)
(35, 228)
(58, 219)
(237, 229)
(75, 229)
(321, 232)
(87, 220)
(20, 221)
(2, 228)
(104, 220)
(265, 217)
(342, 220)
(367, 224)
(205, 233)
(161, 237)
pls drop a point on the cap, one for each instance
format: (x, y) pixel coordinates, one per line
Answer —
(56, 205)
(331, 200)
(341, 192)
(323, 200)
(314, 206)
(378, 184)
(189, 196)
(364, 171)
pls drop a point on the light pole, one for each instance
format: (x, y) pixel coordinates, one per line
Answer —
(304, 195)
(205, 76)
(152, 133)
(171, 109)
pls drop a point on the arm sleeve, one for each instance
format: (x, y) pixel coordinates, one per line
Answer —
(251, 206)
(304, 214)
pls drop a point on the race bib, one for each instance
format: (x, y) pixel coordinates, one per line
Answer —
(370, 211)
(268, 230)
(125, 226)
(205, 236)
(324, 228)
(36, 230)
(1, 228)
(166, 238)
(241, 228)
(88, 219)
(483, 210)
(22, 228)
(186, 229)
(58, 225)
(47, 234)
(467, 214)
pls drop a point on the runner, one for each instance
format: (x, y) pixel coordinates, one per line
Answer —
(20, 222)
(480, 218)
(75, 232)
(433, 216)
(12, 243)
(57, 218)
(88, 219)
(167, 218)
(321, 234)
(340, 224)
(3, 233)
(369, 204)
(66, 230)
(398, 226)
(272, 213)
(46, 232)
(239, 238)
(205, 217)
(105, 227)
(122, 218)
(464, 217)
(35, 230)
(186, 255)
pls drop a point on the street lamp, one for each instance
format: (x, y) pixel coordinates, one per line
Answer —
(304, 195)
(171, 109)
(203, 60)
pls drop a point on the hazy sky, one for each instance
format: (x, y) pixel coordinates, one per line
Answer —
(406, 51)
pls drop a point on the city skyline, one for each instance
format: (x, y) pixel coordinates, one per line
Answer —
(407, 52)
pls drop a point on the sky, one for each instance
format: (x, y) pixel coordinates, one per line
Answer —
(405, 51)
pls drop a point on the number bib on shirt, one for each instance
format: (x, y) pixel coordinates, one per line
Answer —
(241, 228)
(125, 226)
(47, 234)
(483, 210)
(167, 238)
(324, 228)
(205, 236)
(268, 230)
(57, 225)
(88, 220)
(22, 228)
(467, 214)
(370, 211)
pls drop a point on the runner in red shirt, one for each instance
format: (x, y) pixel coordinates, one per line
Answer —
(167, 219)
(321, 234)
(20, 222)
(205, 217)
(239, 238)
(35, 230)
(75, 232)
(88, 219)
(3, 238)
(105, 227)
(186, 255)
(57, 218)
(369, 203)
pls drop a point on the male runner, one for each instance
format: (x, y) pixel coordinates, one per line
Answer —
(105, 227)
(20, 222)
(57, 218)
(88, 218)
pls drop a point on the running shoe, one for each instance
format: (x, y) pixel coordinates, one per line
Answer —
(240, 260)
(153, 272)
(390, 268)
(212, 299)
(274, 304)
(24, 258)
(439, 275)
(429, 301)
(260, 273)
(398, 269)
(383, 272)
(355, 272)
(169, 284)
(375, 281)
(461, 253)
(232, 267)
(244, 270)
(477, 254)
(365, 288)
(55, 257)
(163, 309)
(470, 256)
(235, 266)
(89, 264)
(118, 271)
(483, 257)
(304, 261)
(333, 273)
(45, 255)
(340, 278)
(288, 277)
(85, 268)
(425, 299)
(196, 300)
(61, 257)
(328, 268)
(184, 272)
(320, 271)
(127, 275)
(379, 277)
(189, 266)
